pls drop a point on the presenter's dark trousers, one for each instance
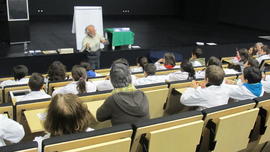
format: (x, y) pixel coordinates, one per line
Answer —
(93, 59)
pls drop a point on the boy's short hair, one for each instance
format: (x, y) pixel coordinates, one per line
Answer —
(252, 74)
(36, 82)
(197, 52)
(20, 71)
(86, 65)
(150, 69)
(142, 61)
(253, 62)
(214, 74)
(214, 61)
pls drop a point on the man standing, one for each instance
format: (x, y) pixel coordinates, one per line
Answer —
(91, 45)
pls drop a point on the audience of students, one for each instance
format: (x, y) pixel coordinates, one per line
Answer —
(66, 115)
(19, 73)
(196, 58)
(57, 71)
(10, 130)
(168, 62)
(186, 72)
(209, 95)
(79, 85)
(36, 83)
(126, 104)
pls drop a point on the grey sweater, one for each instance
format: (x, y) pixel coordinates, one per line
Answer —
(124, 107)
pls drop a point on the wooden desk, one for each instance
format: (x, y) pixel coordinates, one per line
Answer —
(34, 122)
(36, 125)
(182, 90)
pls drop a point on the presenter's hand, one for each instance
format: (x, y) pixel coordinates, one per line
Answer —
(105, 42)
(88, 45)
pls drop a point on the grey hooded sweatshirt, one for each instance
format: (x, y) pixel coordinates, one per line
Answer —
(124, 107)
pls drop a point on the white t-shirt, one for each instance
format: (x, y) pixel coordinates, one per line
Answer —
(10, 130)
(177, 76)
(34, 95)
(14, 82)
(152, 79)
(205, 97)
(240, 92)
(72, 88)
(263, 57)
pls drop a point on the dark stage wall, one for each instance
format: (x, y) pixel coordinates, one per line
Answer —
(249, 13)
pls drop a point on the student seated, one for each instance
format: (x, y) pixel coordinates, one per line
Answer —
(79, 84)
(66, 115)
(57, 71)
(196, 59)
(186, 72)
(35, 83)
(126, 104)
(149, 76)
(103, 85)
(90, 72)
(210, 95)
(19, 73)
(168, 61)
(263, 54)
(10, 130)
(141, 62)
(251, 86)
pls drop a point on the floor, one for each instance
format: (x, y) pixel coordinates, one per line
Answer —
(150, 33)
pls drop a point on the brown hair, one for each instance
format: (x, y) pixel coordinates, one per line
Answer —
(169, 59)
(20, 71)
(214, 74)
(66, 115)
(79, 74)
(36, 82)
(57, 71)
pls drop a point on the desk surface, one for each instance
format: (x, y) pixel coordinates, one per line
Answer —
(182, 90)
(36, 124)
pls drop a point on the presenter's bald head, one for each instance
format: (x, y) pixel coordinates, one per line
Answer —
(90, 30)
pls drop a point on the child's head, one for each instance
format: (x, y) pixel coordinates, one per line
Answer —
(120, 75)
(258, 46)
(265, 49)
(79, 74)
(142, 61)
(243, 53)
(20, 71)
(66, 115)
(36, 82)
(121, 60)
(150, 69)
(186, 66)
(57, 71)
(252, 75)
(169, 59)
(196, 53)
(86, 65)
(251, 63)
(214, 61)
(214, 75)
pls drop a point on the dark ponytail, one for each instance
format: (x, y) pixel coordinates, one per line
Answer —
(79, 74)
(186, 66)
(81, 86)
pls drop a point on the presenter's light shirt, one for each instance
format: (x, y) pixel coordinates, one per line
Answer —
(94, 43)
